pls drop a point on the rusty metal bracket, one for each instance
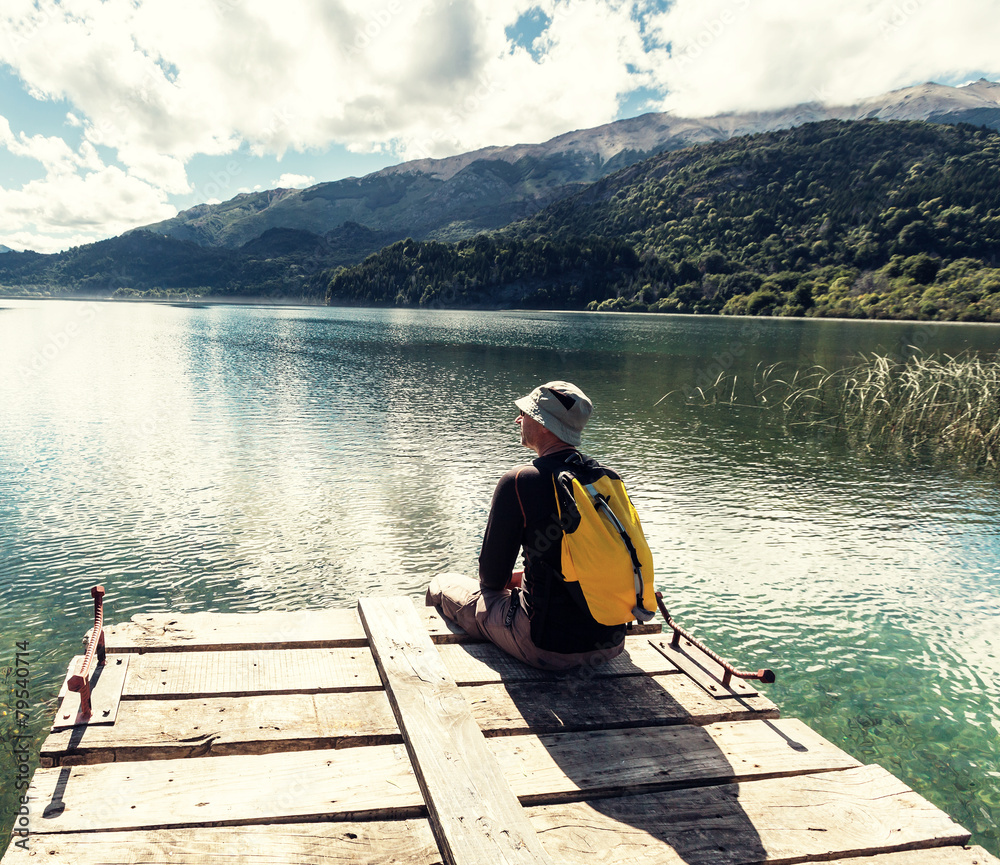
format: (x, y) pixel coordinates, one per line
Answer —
(766, 676)
(80, 682)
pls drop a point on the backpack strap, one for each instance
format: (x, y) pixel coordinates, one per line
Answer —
(517, 492)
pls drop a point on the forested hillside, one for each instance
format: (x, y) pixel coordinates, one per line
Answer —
(281, 263)
(846, 218)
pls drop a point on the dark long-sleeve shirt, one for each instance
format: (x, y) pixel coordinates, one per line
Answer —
(524, 516)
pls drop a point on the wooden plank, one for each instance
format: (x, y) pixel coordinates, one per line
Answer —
(555, 764)
(192, 632)
(263, 788)
(935, 856)
(250, 671)
(369, 843)
(485, 663)
(584, 703)
(473, 812)
(302, 629)
(220, 726)
(236, 671)
(538, 769)
(703, 669)
(214, 726)
(106, 685)
(856, 812)
(567, 766)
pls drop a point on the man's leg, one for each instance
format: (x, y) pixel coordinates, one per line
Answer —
(480, 612)
(484, 613)
(457, 596)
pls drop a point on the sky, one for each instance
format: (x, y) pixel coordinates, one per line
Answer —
(120, 113)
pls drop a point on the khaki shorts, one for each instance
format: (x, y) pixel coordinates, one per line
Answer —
(483, 612)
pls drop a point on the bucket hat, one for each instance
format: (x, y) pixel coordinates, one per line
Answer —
(560, 407)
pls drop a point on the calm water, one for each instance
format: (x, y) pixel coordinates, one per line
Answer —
(231, 458)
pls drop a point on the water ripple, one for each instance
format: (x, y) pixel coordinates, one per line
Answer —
(229, 459)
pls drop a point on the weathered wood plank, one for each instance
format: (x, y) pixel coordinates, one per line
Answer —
(216, 726)
(562, 766)
(255, 671)
(538, 769)
(106, 685)
(846, 813)
(474, 814)
(240, 671)
(935, 856)
(856, 812)
(370, 843)
(220, 726)
(485, 663)
(263, 788)
(582, 703)
(703, 669)
(193, 632)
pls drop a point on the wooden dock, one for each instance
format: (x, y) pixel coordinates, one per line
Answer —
(386, 735)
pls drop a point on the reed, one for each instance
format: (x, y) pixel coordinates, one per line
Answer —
(927, 407)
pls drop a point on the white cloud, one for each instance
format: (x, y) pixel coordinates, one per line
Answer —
(292, 181)
(183, 77)
(160, 82)
(29, 238)
(727, 55)
(98, 199)
(55, 155)
(78, 194)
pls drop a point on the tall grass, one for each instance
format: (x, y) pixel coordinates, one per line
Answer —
(937, 408)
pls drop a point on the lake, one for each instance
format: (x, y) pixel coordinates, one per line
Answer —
(235, 458)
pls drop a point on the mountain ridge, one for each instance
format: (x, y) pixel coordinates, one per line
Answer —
(459, 196)
(862, 219)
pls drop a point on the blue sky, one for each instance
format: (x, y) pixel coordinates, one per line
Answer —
(120, 113)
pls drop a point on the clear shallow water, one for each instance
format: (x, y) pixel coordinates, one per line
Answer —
(232, 458)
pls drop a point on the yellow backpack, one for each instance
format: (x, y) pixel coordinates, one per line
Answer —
(603, 547)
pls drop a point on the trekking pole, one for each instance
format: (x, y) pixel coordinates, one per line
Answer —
(766, 676)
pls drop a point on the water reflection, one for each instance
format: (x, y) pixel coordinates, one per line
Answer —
(227, 458)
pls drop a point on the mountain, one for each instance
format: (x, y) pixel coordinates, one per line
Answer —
(282, 242)
(4, 249)
(847, 218)
(281, 262)
(459, 196)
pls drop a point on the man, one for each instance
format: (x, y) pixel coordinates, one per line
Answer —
(531, 614)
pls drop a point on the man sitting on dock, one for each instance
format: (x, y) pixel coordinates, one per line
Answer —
(534, 614)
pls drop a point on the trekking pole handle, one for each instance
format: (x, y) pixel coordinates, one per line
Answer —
(766, 676)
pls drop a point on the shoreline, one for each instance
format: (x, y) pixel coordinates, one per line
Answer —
(265, 302)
